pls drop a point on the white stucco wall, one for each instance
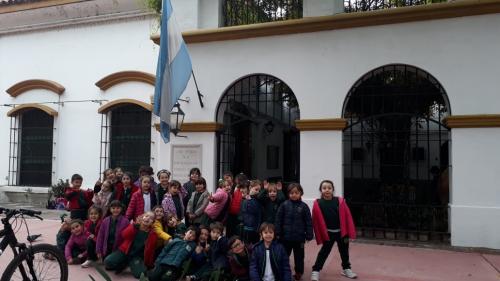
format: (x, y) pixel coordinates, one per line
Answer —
(76, 58)
(475, 200)
(319, 67)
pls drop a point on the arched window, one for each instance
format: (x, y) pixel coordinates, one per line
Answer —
(34, 149)
(126, 135)
(259, 137)
(396, 153)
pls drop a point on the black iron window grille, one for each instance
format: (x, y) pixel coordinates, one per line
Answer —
(126, 138)
(400, 186)
(371, 5)
(240, 12)
(258, 105)
(30, 149)
(13, 150)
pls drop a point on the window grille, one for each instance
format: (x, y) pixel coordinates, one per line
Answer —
(239, 12)
(104, 146)
(13, 150)
(30, 149)
(129, 138)
(395, 115)
(245, 109)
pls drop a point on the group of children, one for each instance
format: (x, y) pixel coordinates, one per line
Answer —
(246, 230)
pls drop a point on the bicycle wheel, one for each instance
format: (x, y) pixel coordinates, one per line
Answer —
(54, 268)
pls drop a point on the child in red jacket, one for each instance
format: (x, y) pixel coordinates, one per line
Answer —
(78, 200)
(91, 228)
(143, 200)
(137, 248)
(332, 223)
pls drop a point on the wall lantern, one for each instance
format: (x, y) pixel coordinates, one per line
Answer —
(176, 119)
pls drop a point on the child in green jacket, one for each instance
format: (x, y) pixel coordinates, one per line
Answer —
(168, 265)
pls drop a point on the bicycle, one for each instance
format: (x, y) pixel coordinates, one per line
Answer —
(29, 262)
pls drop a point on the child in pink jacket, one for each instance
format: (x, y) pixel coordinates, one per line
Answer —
(76, 250)
(332, 222)
(218, 205)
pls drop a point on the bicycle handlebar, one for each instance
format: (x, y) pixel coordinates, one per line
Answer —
(12, 212)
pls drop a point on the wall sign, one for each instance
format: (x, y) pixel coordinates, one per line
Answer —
(185, 157)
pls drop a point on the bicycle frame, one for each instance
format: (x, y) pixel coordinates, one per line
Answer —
(9, 239)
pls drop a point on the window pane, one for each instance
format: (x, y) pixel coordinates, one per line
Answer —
(130, 138)
(36, 148)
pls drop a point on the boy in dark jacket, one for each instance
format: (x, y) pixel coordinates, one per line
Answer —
(251, 212)
(271, 198)
(168, 265)
(269, 258)
(294, 226)
(217, 252)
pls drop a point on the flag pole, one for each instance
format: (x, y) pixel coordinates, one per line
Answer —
(197, 89)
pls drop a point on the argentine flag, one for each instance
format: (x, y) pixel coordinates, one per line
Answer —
(173, 70)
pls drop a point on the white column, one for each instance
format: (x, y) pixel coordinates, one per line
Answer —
(320, 159)
(474, 187)
(315, 8)
(210, 13)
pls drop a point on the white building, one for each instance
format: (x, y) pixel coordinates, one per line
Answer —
(399, 107)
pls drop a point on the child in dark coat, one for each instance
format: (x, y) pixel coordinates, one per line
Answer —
(218, 248)
(269, 259)
(239, 259)
(168, 265)
(294, 226)
(251, 212)
(271, 198)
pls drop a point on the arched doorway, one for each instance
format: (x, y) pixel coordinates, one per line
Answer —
(396, 154)
(259, 137)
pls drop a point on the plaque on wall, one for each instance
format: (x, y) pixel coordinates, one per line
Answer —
(185, 157)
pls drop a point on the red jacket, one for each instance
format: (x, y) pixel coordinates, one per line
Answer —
(235, 205)
(86, 227)
(73, 197)
(128, 235)
(120, 190)
(319, 225)
(136, 205)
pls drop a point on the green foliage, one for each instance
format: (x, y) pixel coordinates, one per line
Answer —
(58, 189)
(153, 5)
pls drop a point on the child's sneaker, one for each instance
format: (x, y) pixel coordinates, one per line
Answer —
(86, 263)
(348, 273)
(315, 276)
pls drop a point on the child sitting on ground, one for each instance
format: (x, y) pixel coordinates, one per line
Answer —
(163, 236)
(137, 249)
(176, 228)
(199, 266)
(109, 236)
(239, 259)
(218, 250)
(168, 265)
(76, 250)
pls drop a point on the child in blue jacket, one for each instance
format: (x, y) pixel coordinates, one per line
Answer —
(168, 265)
(269, 258)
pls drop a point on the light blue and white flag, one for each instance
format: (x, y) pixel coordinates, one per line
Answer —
(173, 70)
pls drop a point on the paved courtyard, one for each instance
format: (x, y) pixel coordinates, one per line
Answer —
(370, 261)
